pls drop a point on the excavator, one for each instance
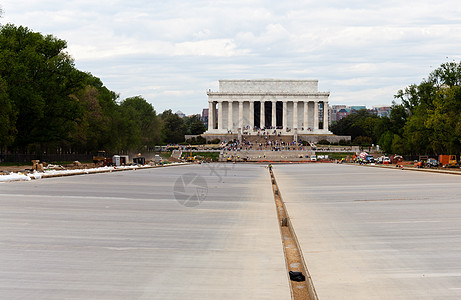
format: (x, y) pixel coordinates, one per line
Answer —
(190, 158)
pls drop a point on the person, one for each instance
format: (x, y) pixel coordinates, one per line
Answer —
(270, 167)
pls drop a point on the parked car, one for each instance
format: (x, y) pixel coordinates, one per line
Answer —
(369, 159)
(432, 163)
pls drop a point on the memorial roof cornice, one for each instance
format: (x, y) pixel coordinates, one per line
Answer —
(267, 94)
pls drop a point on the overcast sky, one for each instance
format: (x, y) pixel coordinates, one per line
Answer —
(171, 52)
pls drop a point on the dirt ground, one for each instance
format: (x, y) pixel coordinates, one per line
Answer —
(28, 168)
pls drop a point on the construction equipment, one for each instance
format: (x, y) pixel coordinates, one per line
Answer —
(432, 163)
(101, 156)
(101, 159)
(190, 157)
(448, 161)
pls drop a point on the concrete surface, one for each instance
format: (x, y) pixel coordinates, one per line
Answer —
(371, 233)
(124, 236)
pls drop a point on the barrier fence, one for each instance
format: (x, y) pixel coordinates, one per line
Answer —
(27, 158)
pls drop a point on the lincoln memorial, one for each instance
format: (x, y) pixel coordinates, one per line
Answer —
(286, 107)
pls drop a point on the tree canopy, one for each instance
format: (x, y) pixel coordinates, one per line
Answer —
(433, 124)
(427, 120)
(48, 105)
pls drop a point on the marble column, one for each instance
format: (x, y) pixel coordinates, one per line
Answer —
(316, 115)
(325, 115)
(252, 115)
(230, 119)
(241, 114)
(274, 114)
(295, 114)
(306, 115)
(211, 122)
(285, 114)
(262, 119)
(220, 120)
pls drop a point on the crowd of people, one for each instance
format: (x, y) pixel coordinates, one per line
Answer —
(265, 142)
(270, 130)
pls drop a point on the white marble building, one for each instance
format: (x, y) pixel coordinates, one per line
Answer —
(286, 105)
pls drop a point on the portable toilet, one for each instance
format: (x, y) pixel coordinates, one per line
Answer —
(116, 160)
(124, 160)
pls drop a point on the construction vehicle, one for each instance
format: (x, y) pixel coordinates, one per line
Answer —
(397, 159)
(190, 158)
(101, 159)
(101, 156)
(448, 161)
(432, 163)
(369, 159)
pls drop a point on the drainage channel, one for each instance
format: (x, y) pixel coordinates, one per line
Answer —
(300, 280)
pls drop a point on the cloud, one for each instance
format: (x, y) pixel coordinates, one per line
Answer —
(170, 52)
(216, 47)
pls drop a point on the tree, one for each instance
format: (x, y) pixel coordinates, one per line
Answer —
(444, 121)
(391, 128)
(363, 140)
(433, 122)
(173, 127)
(141, 125)
(110, 122)
(194, 125)
(47, 105)
(358, 124)
(398, 117)
(40, 78)
(385, 141)
(7, 118)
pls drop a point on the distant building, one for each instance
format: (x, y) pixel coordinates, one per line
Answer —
(204, 117)
(334, 110)
(337, 112)
(180, 114)
(205, 113)
(381, 111)
(342, 113)
(358, 107)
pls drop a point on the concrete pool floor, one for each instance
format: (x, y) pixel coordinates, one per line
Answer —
(365, 233)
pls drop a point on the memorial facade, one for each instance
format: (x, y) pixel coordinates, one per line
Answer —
(252, 106)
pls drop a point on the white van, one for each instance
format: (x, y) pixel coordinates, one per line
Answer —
(313, 157)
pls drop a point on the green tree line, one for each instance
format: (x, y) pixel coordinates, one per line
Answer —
(426, 121)
(48, 105)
